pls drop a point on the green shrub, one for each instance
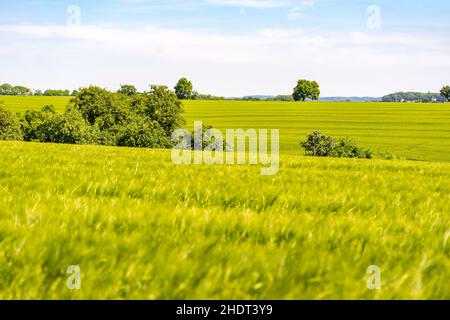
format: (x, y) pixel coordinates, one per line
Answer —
(97, 116)
(163, 106)
(73, 129)
(9, 126)
(141, 133)
(102, 108)
(320, 145)
(48, 126)
(40, 125)
(347, 148)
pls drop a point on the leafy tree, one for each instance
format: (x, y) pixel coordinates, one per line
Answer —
(101, 107)
(128, 90)
(162, 105)
(306, 90)
(445, 92)
(183, 89)
(141, 133)
(318, 145)
(48, 126)
(20, 91)
(40, 125)
(97, 116)
(9, 126)
(73, 129)
(6, 89)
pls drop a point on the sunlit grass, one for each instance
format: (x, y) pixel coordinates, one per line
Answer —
(140, 227)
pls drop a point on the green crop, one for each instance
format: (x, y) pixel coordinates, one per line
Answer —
(140, 227)
(412, 131)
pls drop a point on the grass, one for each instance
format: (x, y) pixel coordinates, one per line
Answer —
(140, 227)
(24, 103)
(412, 131)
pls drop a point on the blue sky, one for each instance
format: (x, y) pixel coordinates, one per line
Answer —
(228, 47)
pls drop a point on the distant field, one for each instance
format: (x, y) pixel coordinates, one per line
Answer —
(413, 131)
(140, 227)
(22, 103)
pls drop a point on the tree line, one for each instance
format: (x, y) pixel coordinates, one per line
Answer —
(415, 97)
(7, 89)
(304, 90)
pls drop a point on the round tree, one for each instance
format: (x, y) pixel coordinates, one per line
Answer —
(306, 89)
(183, 89)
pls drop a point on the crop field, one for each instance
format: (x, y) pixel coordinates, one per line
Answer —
(412, 131)
(140, 227)
(24, 103)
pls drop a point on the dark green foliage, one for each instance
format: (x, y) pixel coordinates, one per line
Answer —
(141, 133)
(163, 106)
(319, 145)
(445, 92)
(40, 125)
(73, 129)
(183, 89)
(101, 108)
(347, 148)
(306, 90)
(9, 126)
(97, 116)
(48, 126)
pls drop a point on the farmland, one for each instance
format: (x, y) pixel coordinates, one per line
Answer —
(140, 227)
(412, 131)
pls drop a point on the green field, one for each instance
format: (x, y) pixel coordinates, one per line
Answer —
(24, 103)
(140, 227)
(412, 131)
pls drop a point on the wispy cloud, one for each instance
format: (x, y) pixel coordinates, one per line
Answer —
(267, 61)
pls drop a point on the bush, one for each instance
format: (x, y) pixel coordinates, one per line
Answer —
(319, 145)
(40, 125)
(142, 134)
(97, 116)
(163, 106)
(48, 126)
(73, 129)
(100, 107)
(347, 148)
(9, 126)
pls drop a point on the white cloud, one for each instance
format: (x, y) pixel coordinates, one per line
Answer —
(264, 62)
(260, 4)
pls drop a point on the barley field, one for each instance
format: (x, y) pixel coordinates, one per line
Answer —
(140, 227)
(412, 131)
